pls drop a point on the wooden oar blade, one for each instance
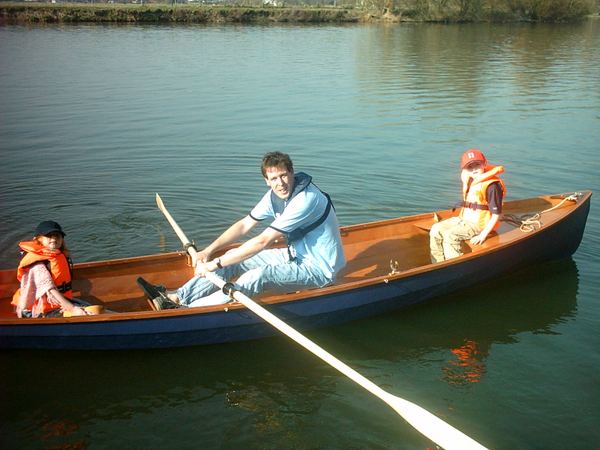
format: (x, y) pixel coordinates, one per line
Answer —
(432, 427)
(422, 420)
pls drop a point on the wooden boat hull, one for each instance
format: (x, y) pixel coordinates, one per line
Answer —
(358, 294)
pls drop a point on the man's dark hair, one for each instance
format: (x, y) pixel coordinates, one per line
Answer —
(276, 159)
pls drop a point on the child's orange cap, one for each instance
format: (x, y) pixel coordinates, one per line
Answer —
(470, 156)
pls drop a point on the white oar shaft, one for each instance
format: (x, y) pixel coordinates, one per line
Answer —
(428, 424)
(422, 420)
(178, 231)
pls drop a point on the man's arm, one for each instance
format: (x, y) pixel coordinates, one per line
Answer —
(232, 234)
(248, 249)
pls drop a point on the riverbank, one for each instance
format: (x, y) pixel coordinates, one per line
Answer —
(28, 13)
(155, 13)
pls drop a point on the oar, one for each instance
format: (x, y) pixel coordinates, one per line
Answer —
(428, 424)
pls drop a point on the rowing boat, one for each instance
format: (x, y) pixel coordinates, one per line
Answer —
(388, 268)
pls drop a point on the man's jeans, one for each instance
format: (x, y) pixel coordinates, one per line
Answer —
(270, 270)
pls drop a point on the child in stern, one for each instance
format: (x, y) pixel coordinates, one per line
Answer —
(483, 193)
(44, 273)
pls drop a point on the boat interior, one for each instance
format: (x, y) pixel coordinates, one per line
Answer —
(389, 248)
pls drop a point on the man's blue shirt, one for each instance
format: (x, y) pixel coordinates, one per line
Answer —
(320, 247)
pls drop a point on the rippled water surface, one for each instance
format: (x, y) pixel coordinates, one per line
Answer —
(94, 120)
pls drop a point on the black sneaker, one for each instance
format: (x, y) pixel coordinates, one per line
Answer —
(157, 297)
(151, 290)
(164, 302)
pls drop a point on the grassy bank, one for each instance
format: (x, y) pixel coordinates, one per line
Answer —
(157, 13)
(404, 10)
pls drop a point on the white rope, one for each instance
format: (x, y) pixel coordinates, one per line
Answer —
(532, 223)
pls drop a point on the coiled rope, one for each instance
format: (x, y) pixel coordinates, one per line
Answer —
(532, 223)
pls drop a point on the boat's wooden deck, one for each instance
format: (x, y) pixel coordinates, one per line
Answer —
(371, 250)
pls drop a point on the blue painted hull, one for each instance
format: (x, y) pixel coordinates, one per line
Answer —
(558, 240)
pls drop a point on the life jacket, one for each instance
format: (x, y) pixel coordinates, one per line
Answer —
(58, 264)
(301, 182)
(475, 208)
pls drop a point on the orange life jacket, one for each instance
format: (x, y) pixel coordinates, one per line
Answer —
(475, 204)
(60, 269)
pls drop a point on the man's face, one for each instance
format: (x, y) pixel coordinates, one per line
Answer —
(280, 180)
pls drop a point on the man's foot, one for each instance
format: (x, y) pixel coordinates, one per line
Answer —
(151, 290)
(162, 302)
(157, 296)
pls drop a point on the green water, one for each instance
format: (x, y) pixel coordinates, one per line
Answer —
(94, 120)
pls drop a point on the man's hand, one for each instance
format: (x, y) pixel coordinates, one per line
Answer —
(203, 267)
(203, 256)
(200, 269)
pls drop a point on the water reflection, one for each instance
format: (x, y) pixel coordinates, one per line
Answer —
(460, 330)
(435, 82)
(438, 59)
(254, 386)
(269, 389)
(538, 306)
(469, 365)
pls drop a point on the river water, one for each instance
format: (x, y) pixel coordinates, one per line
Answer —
(95, 119)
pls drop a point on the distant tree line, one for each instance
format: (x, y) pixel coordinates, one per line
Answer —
(458, 10)
(307, 10)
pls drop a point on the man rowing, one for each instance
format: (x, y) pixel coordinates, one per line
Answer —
(301, 214)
